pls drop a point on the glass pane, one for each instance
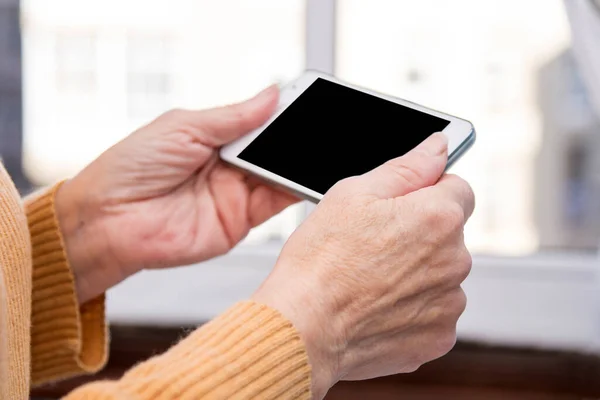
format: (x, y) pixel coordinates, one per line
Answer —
(97, 70)
(149, 76)
(505, 65)
(75, 62)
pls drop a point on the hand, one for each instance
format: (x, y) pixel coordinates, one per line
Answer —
(161, 198)
(372, 278)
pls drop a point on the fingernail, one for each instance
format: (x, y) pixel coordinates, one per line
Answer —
(434, 145)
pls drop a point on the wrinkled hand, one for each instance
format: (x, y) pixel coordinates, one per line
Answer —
(372, 279)
(161, 198)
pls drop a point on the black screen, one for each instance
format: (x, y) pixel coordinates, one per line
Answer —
(332, 132)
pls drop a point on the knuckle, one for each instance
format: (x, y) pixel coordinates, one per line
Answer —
(339, 206)
(440, 344)
(445, 215)
(460, 183)
(465, 264)
(446, 343)
(463, 188)
(459, 267)
(343, 190)
(454, 215)
(455, 306)
(460, 302)
(344, 185)
(409, 175)
(174, 115)
(432, 213)
(468, 192)
(410, 368)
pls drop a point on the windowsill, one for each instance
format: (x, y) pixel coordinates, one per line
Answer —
(547, 301)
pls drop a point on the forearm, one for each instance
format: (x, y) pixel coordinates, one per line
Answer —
(251, 351)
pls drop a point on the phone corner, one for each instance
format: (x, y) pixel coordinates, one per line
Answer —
(473, 134)
(224, 154)
(470, 128)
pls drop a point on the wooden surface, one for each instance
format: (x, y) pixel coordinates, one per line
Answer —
(470, 371)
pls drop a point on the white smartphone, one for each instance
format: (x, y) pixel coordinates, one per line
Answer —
(325, 130)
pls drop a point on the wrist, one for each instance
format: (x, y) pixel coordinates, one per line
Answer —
(86, 248)
(314, 330)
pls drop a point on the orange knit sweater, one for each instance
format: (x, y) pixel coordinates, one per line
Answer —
(250, 351)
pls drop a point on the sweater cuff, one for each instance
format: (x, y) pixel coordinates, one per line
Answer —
(66, 339)
(249, 352)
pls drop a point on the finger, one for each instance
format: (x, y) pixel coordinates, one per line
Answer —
(419, 168)
(266, 202)
(455, 189)
(219, 126)
(253, 182)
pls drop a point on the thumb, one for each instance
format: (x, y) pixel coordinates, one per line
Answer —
(219, 126)
(421, 167)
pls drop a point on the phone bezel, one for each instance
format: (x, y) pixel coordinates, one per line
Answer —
(460, 132)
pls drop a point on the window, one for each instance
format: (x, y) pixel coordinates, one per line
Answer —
(149, 78)
(481, 61)
(75, 62)
(117, 66)
(504, 64)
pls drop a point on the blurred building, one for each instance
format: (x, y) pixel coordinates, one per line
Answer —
(567, 205)
(10, 90)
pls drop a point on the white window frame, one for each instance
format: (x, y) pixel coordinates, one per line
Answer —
(320, 43)
(542, 300)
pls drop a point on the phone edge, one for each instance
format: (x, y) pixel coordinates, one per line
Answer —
(462, 149)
